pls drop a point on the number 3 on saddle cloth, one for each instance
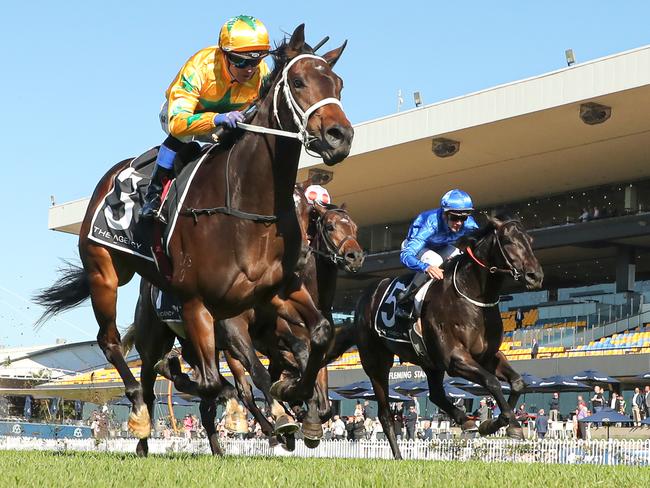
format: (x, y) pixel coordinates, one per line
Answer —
(393, 328)
(117, 223)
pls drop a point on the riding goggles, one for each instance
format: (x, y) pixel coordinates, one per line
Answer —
(250, 60)
(455, 217)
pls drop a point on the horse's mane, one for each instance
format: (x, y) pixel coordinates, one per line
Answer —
(280, 59)
(477, 235)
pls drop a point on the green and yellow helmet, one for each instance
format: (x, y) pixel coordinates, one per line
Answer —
(243, 34)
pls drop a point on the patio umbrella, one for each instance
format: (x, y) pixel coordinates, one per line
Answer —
(532, 382)
(643, 378)
(411, 387)
(393, 396)
(646, 421)
(594, 377)
(353, 388)
(177, 401)
(121, 402)
(562, 383)
(607, 416)
(335, 396)
(454, 392)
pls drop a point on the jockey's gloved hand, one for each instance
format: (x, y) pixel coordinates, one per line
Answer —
(229, 119)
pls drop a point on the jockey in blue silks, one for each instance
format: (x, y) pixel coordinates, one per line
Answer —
(430, 242)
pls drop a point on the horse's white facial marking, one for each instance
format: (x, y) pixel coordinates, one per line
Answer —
(320, 67)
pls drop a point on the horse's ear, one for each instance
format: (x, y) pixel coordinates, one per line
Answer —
(495, 222)
(465, 242)
(297, 41)
(333, 56)
(343, 206)
(320, 209)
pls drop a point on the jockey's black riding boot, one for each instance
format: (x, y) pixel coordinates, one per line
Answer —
(405, 307)
(152, 201)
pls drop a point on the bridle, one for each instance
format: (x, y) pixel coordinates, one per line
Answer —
(331, 251)
(511, 270)
(300, 116)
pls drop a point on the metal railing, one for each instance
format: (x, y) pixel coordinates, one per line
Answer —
(599, 325)
(558, 451)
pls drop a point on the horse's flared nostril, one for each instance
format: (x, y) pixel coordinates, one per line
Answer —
(335, 136)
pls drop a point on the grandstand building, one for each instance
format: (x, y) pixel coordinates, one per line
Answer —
(566, 151)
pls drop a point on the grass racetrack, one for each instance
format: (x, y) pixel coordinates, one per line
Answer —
(32, 468)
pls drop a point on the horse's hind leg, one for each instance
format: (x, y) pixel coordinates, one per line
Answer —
(376, 362)
(437, 396)
(505, 371)
(153, 340)
(104, 278)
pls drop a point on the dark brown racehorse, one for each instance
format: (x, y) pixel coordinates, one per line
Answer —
(460, 324)
(224, 264)
(333, 246)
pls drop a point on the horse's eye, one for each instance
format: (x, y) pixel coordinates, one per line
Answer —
(298, 83)
(329, 227)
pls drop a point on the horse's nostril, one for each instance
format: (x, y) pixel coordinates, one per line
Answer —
(334, 136)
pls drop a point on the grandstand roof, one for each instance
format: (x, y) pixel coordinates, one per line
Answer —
(44, 363)
(512, 137)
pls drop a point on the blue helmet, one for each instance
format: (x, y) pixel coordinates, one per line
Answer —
(456, 201)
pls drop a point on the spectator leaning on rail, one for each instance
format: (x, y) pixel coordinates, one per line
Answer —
(210, 90)
(430, 242)
(541, 424)
(554, 407)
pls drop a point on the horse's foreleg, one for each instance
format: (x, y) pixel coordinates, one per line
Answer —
(246, 393)
(437, 396)
(464, 365)
(208, 411)
(505, 371)
(200, 330)
(103, 280)
(320, 338)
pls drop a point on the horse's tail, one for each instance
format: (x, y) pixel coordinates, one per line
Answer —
(70, 290)
(128, 339)
(345, 337)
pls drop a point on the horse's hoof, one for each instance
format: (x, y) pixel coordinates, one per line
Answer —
(488, 427)
(469, 426)
(285, 425)
(140, 422)
(289, 442)
(515, 432)
(142, 449)
(311, 443)
(281, 390)
(312, 431)
(162, 368)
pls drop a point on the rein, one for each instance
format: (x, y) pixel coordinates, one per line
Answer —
(511, 270)
(300, 117)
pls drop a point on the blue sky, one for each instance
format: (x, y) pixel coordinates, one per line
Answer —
(83, 83)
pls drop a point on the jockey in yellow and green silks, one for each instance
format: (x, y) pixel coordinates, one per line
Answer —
(212, 89)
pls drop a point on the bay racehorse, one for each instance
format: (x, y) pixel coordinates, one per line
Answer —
(330, 241)
(334, 246)
(227, 261)
(460, 324)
